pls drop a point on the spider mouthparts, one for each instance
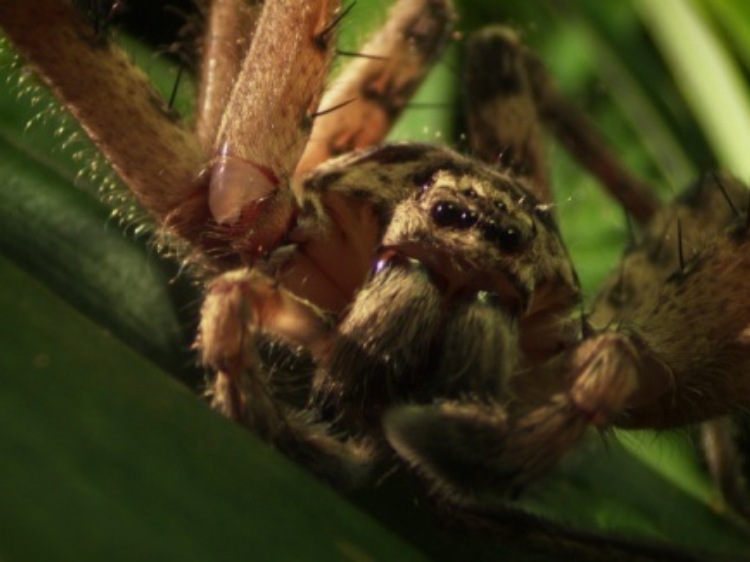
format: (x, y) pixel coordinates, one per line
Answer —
(234, 184)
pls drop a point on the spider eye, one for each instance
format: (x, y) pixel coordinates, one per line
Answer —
(450, 215)
(508, 238)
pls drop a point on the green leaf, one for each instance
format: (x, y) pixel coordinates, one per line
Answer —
(707, 75)
(106, 457)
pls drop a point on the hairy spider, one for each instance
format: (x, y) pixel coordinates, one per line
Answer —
(431, 290)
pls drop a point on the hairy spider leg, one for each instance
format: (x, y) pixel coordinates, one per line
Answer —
(368, 97)
(586, 144)
(196, 191)
(228, 35)
(689, 269)
(479, 452)
(504, 126)
(155, 154)
(240, 307)
(373, 89)
(506, 105)
(266, 123)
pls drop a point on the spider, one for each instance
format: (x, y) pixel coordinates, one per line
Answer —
(431, 290)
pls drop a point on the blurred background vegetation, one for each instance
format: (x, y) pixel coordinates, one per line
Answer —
(105, 452)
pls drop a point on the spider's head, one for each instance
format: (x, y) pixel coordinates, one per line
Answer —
(474, 228)
(477, 228)
(491, 218)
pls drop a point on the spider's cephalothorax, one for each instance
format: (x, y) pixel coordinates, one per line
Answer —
(431, 290)
(464, 256)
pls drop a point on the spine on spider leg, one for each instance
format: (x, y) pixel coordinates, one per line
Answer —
(115, 103)
(374, 88)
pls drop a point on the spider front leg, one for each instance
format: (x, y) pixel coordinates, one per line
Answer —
(225, 191)
(241, 308)
(266, 122)
(480, 451)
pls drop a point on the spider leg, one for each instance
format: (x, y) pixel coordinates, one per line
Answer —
(581, 139)
(724, 462)
(241, 204)
(262, 133)
(504, 108)
(690, 269)
(114, 101)
(373, 89)
(241, 306)
(228, 35)
(687, 277)
(485, 450)
(504, 127)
